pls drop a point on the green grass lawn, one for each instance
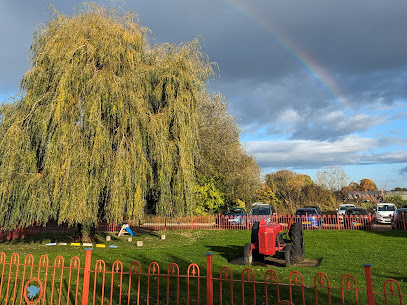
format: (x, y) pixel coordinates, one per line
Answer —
(338, 252)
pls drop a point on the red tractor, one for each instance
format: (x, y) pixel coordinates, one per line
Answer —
(268, 239)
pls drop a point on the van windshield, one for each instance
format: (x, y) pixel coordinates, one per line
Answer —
(383, 208)
(260, 211)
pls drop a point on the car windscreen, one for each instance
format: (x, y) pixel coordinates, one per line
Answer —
(235, 211)
(305, 212)
(356, 212)
(383, 208)
(260, 211)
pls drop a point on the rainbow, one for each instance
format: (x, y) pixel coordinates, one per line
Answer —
(310, 65)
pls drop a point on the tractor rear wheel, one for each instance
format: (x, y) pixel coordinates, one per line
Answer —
(247, 258)
(287, 255)
(296, 235)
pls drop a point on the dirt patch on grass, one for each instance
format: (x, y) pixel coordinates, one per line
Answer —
(278, 262)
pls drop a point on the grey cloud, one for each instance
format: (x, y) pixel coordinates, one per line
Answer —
(309, 154)
(386, 157)
(389, 141)
(18, 21)
(399, 115)
(312, 114)
(403, 171)
(315, 154)
(326, 125)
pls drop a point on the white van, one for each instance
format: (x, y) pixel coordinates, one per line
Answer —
(384, 212)
(342, 208)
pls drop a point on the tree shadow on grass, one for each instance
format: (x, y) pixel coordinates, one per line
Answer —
(228, 252)
(68, 237)
(390, 233)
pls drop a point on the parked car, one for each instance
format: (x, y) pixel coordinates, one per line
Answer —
(342, 209)
(357, 218)
(315, 207)
(399, 219)
(261, 210)
(309, 217)
(384, 212)
(235, 216)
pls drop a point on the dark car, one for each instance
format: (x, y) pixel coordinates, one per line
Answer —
(399, 219)
(357, 218)
(309, 217)
(316, 208)
(235, 216)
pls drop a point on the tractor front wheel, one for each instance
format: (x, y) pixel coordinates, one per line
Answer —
(257, 256)
(248, 258)
(296, 235)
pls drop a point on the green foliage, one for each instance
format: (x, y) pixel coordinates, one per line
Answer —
(266, 195)
(316, 195)
(107, 126)
(287, 187)
(240, 204)
(397, 200)
(208, 199)
(223, 159)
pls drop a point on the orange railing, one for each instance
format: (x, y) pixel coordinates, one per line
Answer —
(93, 282)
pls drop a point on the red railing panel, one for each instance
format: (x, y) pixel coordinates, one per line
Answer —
(225, 275)
(392, 291)
(271, 278)
(173, 272)
(348, 283)
(321, 280)
(135, 270)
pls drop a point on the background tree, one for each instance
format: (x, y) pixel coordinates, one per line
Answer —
(223, 159)
(367, 185)
(208, 198)
(316, 195)
(397, 200)
(287, 187)
(107, 125)
(266, 195)
(332, 178)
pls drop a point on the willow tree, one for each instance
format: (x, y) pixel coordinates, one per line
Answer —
(107, 126)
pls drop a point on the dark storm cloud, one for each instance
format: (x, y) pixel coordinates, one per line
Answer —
(323, 125)
(18, 21)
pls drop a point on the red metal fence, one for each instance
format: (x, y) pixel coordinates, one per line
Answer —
(222, 222)
(225, 222)
(76, 282)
